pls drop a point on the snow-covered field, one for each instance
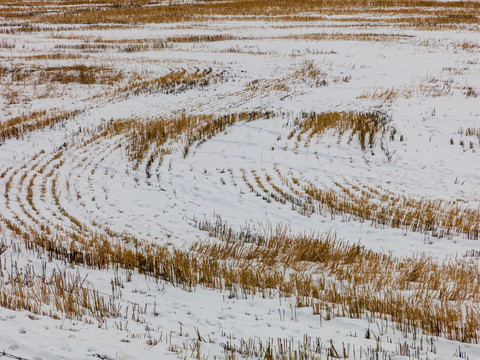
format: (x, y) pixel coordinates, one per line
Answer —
(75, 179)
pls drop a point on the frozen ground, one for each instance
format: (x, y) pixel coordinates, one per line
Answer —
(432, 77)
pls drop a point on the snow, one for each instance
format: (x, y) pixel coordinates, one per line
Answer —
(163, 209)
